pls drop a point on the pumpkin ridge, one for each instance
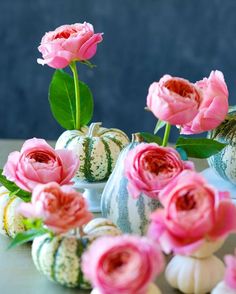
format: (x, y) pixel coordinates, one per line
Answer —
(109, 159)
(81, 245)
(141, 212)
(5, 222)
(38, 253)
(116, 141)
(86, 170)
(55, 255)
(68, 142)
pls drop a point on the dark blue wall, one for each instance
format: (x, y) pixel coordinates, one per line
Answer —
(143, 39)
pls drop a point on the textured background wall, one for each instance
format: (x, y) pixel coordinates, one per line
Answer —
(143, 39)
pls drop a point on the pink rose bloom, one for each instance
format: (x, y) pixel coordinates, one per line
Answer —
(69, 43)
(39, 163)
(123, 264)
(214, 106)
(230, 271)
(149, 168)
(60, 208)
(193, 212)
(173, 100)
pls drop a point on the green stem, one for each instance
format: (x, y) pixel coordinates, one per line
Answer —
(166, 135)
(77, 94)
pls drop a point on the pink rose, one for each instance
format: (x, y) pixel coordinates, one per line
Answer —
(214, 106)
(149, 168)
(173, 100)
(230, 272)
(60, 208)
(123, 264)
(69, 43)
(193, 211)
(39, 163)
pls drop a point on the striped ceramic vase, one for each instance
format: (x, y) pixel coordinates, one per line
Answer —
(224, 162)
(130, 215)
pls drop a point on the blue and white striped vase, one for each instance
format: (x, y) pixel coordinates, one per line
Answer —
(129, 214)
(224, 162)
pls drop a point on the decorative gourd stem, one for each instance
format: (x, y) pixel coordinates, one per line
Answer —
(93, 129)
(136, 137)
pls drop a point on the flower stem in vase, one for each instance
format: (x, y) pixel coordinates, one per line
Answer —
(77, 94)
(166, 135)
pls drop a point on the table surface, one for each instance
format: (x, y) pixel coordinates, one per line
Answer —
(17, 271)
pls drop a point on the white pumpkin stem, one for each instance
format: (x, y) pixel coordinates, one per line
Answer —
(136, 137)
(93, 129)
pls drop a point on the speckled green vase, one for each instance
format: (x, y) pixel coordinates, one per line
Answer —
(224, 162)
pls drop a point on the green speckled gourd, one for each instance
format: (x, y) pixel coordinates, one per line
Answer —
(97, 148)
(129, 214)
(224, 162)
(59, 258)
(11, 222)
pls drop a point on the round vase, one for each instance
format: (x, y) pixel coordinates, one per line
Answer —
(224, 162)
(197, 273)
(11, 222)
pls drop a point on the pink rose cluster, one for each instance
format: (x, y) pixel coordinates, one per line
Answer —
(67, 43)
(192, 212)
(60, 208)
(150, 167)
(230, 271)
(39, 163)
(123, 264)
(195, 108)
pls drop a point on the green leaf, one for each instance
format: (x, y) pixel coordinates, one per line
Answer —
(27, 236)
(150, 138)
(160, 124)
(14, 189)
(62, 100)
(182, 153)
(199, 148)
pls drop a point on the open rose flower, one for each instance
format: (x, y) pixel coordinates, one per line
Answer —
(122, 265)
(60, 208)
(68, 43)
(39, 163)
(214, 105)
(174, 100)
(230, 272)
(193, 212)
(150, 167)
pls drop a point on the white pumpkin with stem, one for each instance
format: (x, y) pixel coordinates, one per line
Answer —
(197, 273)
(97, 148)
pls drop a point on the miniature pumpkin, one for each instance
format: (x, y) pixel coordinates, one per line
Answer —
(59, 257)
(11, 222)
(97, 148)
(224, 162)
(129, 214)
(222, 288)
(198, 273)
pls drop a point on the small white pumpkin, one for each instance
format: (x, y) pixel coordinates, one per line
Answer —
(59, 258)
(198, 273)
(11, 222)
(97, 148)
(152, 289)
(222, 288)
